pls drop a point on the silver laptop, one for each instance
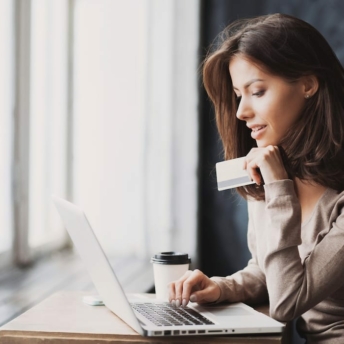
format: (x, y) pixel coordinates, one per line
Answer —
(151, 317)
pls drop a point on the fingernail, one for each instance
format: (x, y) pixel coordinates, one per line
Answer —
(184, 303)
(173, 303)
(177, 303)
(193, 298)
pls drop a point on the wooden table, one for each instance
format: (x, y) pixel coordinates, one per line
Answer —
(64, 318)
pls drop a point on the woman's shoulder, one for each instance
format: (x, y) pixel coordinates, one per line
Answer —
(332, 198)
(332, 203)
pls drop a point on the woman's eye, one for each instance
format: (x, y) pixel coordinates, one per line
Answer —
(238, 99)
(258, 94)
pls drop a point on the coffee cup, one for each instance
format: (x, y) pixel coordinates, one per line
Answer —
(168, 267)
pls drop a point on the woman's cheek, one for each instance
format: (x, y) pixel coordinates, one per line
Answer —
(270, 109)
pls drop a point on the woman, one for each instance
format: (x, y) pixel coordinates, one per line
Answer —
(278, 92)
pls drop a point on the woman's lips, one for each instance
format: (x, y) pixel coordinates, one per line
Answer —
(257, 132)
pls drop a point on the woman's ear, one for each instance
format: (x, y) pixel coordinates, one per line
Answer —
(310, 85)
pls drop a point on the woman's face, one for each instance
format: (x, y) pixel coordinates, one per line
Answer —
(268, 104)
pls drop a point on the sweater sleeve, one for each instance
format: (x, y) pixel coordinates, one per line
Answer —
(247, 285)
(294, 287)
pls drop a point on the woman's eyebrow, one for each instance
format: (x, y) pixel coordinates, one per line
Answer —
(249, 83)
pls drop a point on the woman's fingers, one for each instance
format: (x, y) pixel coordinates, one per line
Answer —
(180, 290)
(194, 282)
(193, 286)
(253, 170)
(175, 288)
(267, 163)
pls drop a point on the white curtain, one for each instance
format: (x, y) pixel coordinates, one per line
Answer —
(135, 122)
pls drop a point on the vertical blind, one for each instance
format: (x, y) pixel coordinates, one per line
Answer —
(6, 115)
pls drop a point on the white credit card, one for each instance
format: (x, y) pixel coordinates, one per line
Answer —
(231, 174)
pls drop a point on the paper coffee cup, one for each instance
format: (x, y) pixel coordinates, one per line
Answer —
(168, 267)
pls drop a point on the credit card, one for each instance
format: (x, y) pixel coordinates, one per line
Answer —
(230, 174)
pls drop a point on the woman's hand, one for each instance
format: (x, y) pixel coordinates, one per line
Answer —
(268, 160)
(193, 286)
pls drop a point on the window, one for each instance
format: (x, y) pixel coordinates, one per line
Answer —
(6, 113)
(104, 97)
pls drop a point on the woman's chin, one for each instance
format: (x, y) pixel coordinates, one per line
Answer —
(261, 144)
(265, 143)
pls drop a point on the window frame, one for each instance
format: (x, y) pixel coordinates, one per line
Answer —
(22, 254)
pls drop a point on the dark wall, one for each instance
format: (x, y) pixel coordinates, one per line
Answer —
(222, 219)
(325, 15)
(222, 215)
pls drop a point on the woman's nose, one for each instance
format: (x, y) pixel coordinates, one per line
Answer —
(244, 110)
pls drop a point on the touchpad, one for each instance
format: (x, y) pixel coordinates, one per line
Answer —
(228, 311)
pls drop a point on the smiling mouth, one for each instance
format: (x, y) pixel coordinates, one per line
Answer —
(258, 128)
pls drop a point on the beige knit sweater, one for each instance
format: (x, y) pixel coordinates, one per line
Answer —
(298, 268)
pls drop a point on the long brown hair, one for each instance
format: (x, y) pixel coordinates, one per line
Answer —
(313, 148)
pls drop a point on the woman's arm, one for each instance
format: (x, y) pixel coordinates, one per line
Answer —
(249, 284)
(294, 287)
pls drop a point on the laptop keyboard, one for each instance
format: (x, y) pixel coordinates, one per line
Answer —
(164, 314)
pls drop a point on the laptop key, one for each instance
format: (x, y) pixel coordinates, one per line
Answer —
(168, 315)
